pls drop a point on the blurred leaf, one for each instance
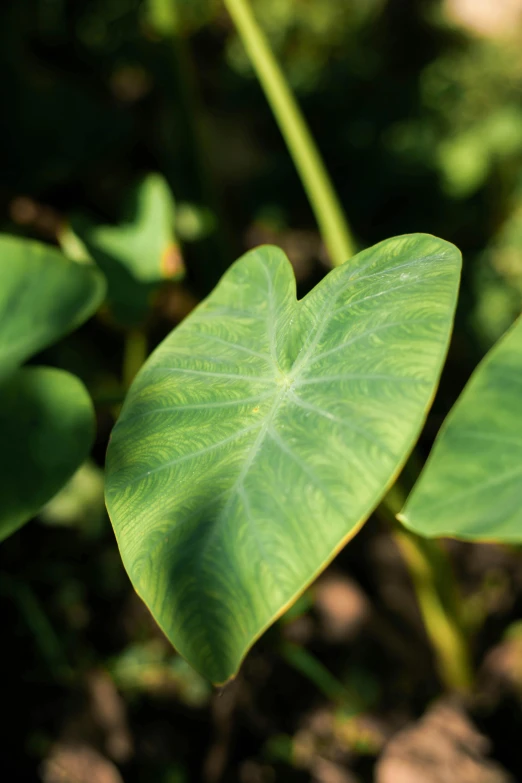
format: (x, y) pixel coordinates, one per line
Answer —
(80, 503)
(144, 241)
(162, 15)
(514, 630)
(471, 486)
(43, 295)
(306, 36)
(312, 668)
(149, 667)
(466, 158)
(262, 432)
(472, 97)
(464, 161)
(175, 17)
(279, 747)
(46, 433)
(194, 223)
(137, 254)
(498, 278)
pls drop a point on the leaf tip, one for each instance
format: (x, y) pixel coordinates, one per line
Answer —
(220, 686)
(402, 518)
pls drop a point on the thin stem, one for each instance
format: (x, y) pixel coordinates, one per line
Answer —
(134, 355)
(46, 638)
(107, 398)
(444, 633)
(437, 595)
(321, 194)
(310, 667)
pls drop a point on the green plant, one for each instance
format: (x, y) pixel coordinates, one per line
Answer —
(471, 486)
(135, 255)
(262, 433)
(47, 416)
(186, 587)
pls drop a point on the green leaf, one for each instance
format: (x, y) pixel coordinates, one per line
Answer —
(471, 485)
(46, 433)
(43, 295)
(144, 241)
(262, 432)
(137, 254)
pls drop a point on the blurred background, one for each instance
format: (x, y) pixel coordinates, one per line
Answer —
(416, 106)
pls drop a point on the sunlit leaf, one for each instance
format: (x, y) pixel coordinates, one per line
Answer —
(471, 486)
(46, 433)
(263, 431)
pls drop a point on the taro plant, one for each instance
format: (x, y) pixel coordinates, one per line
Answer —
(261, 434)
(47, 418)
(137, 254)
(264, 430)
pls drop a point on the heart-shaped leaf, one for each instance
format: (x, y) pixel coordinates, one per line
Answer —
(471, 485)
(43, 295)
(263, 431)
(144, 241)
(46, 433)
(137, 254)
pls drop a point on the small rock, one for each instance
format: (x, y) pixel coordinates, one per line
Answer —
(342, 607)
(490, 18)
(324, 771)
(502, 668)
(443, 747)
(78, 763)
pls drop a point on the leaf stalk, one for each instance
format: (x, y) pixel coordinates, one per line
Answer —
(329, 214)
(437, 595)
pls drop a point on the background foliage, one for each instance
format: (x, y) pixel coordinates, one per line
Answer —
(416, 107)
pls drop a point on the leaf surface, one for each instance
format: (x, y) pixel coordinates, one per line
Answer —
(262, 432)
(138, 253)
(144, 241)
(43, 295)
(46, 433)
(471, 485)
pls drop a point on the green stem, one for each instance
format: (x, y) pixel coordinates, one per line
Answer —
(134, 355)
(311, 668)
(321, 194)
(437, 595)
(107, 398)
(46, 639)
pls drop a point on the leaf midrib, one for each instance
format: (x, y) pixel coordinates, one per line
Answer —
(288, 382)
